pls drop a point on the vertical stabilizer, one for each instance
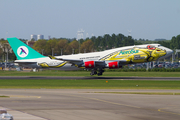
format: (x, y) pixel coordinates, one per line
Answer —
(23, 51)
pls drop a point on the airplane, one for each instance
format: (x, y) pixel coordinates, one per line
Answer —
(94, 61)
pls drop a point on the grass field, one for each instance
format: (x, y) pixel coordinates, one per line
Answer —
(87, 73)
(88, 84)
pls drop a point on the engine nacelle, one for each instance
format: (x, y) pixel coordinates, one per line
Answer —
(113, 65)
(89, 64)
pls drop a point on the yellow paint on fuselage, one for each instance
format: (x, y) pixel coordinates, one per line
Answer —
(137, 55)
(45, 65)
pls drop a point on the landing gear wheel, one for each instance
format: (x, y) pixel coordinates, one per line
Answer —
(93, 72)
(99, 74)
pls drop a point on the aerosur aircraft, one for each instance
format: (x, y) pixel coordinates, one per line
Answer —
(95, 61)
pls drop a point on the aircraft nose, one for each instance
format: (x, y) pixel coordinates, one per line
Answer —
(167, 50)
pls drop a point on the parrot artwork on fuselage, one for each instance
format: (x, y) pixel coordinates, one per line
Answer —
(137, 55)
(94, 61)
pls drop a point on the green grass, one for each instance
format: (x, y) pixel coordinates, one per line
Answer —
(87, 73)
(45, 73)
(144, 74)
(88, 84)
(2, 96)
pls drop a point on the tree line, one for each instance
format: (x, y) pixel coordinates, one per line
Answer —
(93, 44)
(63, 46)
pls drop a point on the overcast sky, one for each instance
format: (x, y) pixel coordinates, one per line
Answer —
(147, 19)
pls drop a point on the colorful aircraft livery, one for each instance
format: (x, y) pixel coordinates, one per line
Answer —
(128, 52)
(22, 51)
(138, 55)
(95, 61)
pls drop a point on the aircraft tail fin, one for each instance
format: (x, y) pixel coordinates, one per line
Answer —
(23, 51)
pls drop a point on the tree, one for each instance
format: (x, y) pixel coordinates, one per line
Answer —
(119, 40)
(93, 38)
(61, 46)
(51, 47)
(87, 46)
(73, 47)
(165, 43)
(114, 42)
(107, 43)
(98, 41)
(178, 42)
(175, 42)
(81, 41)
(5, 47)
(40, 46)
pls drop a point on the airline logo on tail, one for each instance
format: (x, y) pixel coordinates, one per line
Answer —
(22, 51)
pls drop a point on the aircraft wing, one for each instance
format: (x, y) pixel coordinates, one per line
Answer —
(86, 63)
(80, 62)
(69, 60)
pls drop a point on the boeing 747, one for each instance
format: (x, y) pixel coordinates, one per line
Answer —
(94, 61)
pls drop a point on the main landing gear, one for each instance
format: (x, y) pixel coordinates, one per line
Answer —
(94, 72)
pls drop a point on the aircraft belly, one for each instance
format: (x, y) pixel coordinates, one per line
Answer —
(33, 65)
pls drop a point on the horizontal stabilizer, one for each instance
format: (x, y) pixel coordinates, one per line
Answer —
(52, 57)
(68, 60)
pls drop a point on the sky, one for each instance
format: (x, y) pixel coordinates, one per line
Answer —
(146, 19)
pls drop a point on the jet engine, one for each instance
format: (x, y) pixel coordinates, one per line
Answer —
(113, 65)
(89, 64)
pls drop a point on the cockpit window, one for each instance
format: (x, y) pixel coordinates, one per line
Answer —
(151, 47)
